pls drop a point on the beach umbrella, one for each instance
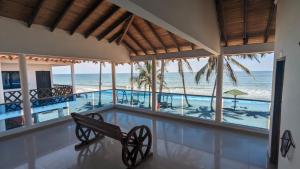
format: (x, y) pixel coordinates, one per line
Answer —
(235, 93)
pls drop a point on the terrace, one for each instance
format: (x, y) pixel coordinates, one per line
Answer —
(42, 35)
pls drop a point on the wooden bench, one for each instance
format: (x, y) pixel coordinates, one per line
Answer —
(136, 144)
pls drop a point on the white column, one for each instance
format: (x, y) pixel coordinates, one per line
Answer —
(113, 76)
(153, 84)
(1, 86)
(219, 89)
(73, 78)
(131, 82)
(25, 90)
(100, 84)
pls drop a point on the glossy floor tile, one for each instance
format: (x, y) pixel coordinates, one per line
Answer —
(176, 145)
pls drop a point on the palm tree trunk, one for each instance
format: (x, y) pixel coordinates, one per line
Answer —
(184, 89)
(212, 96)
(162, 74)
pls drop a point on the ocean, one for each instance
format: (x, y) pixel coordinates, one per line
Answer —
(257, 87)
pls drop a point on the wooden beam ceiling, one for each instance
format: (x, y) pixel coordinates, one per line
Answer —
(85, 15)
(136, 27)
(35, 12)
(125, 29)
(156, 35)
(101, 20)
(245, 21)
(219, 6)
(115, 36)
(110, 28)
(61, 15)
(174, 40)
(129, 46)
(269, 23)
(136, 42)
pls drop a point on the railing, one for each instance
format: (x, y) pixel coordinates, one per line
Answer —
(54, 108)
(248, 112)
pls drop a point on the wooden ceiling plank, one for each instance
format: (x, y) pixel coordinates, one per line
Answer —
(110, 28)
(156, 35)
(125, 29)
(270, 19)
(101, 20)
(245, 21)
(136, 42)
(86, 15)
(61, 15)
(136, 27)
(129, 46)
(35, 12)
(220, 12)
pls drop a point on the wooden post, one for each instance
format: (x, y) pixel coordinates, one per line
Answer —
(73, 77)
(153, 84)
(113, 76)
(25, 90)
(219, 89)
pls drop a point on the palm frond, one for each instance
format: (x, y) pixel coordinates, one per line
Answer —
(200, 73)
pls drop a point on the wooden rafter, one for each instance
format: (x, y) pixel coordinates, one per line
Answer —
(61, 15)
(101, 20)
(174, 40)
(245, 21)
(220, 12)
(85, 15)
(35, 12)
(136, 42)
(115, 36)
(156, 35)
(269, 24)
(125, 29)
(136, 27)
(129, 46)
(110, 28)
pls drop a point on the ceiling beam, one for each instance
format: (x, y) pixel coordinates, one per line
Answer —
(156, 35)
(110, 28)
(245, 21)
(174, 55)
(269, 24)
(136, 27)
(101, 20)
(174, 40)
(129, 46)
(220, 12)
(125, 29)
(61, 15)
(247, 49)
(85, 15)
(35, 12)
(136, 42)
(115, 36)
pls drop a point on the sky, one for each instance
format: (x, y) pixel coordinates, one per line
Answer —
(266, 64)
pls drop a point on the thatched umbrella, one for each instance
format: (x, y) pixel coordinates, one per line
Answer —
(235, 93)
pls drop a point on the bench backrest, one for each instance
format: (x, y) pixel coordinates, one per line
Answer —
(102, 127)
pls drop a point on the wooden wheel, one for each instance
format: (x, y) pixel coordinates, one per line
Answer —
(137, 146)
(85, 134)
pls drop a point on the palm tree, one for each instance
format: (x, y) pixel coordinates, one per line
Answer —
(100, 82)
(209, 69)
(144, 77)
(161, 79)
(181, 64)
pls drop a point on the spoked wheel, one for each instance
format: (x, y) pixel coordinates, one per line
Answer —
(137, 146)
(85, 134)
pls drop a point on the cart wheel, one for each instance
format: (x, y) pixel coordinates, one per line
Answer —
(137, 146)
(85, 134)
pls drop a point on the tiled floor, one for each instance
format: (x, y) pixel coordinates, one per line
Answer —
(176, 146)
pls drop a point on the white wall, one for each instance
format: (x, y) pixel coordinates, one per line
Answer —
(193, 20)
(287, 44)
(16, 37)
(32, 68)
